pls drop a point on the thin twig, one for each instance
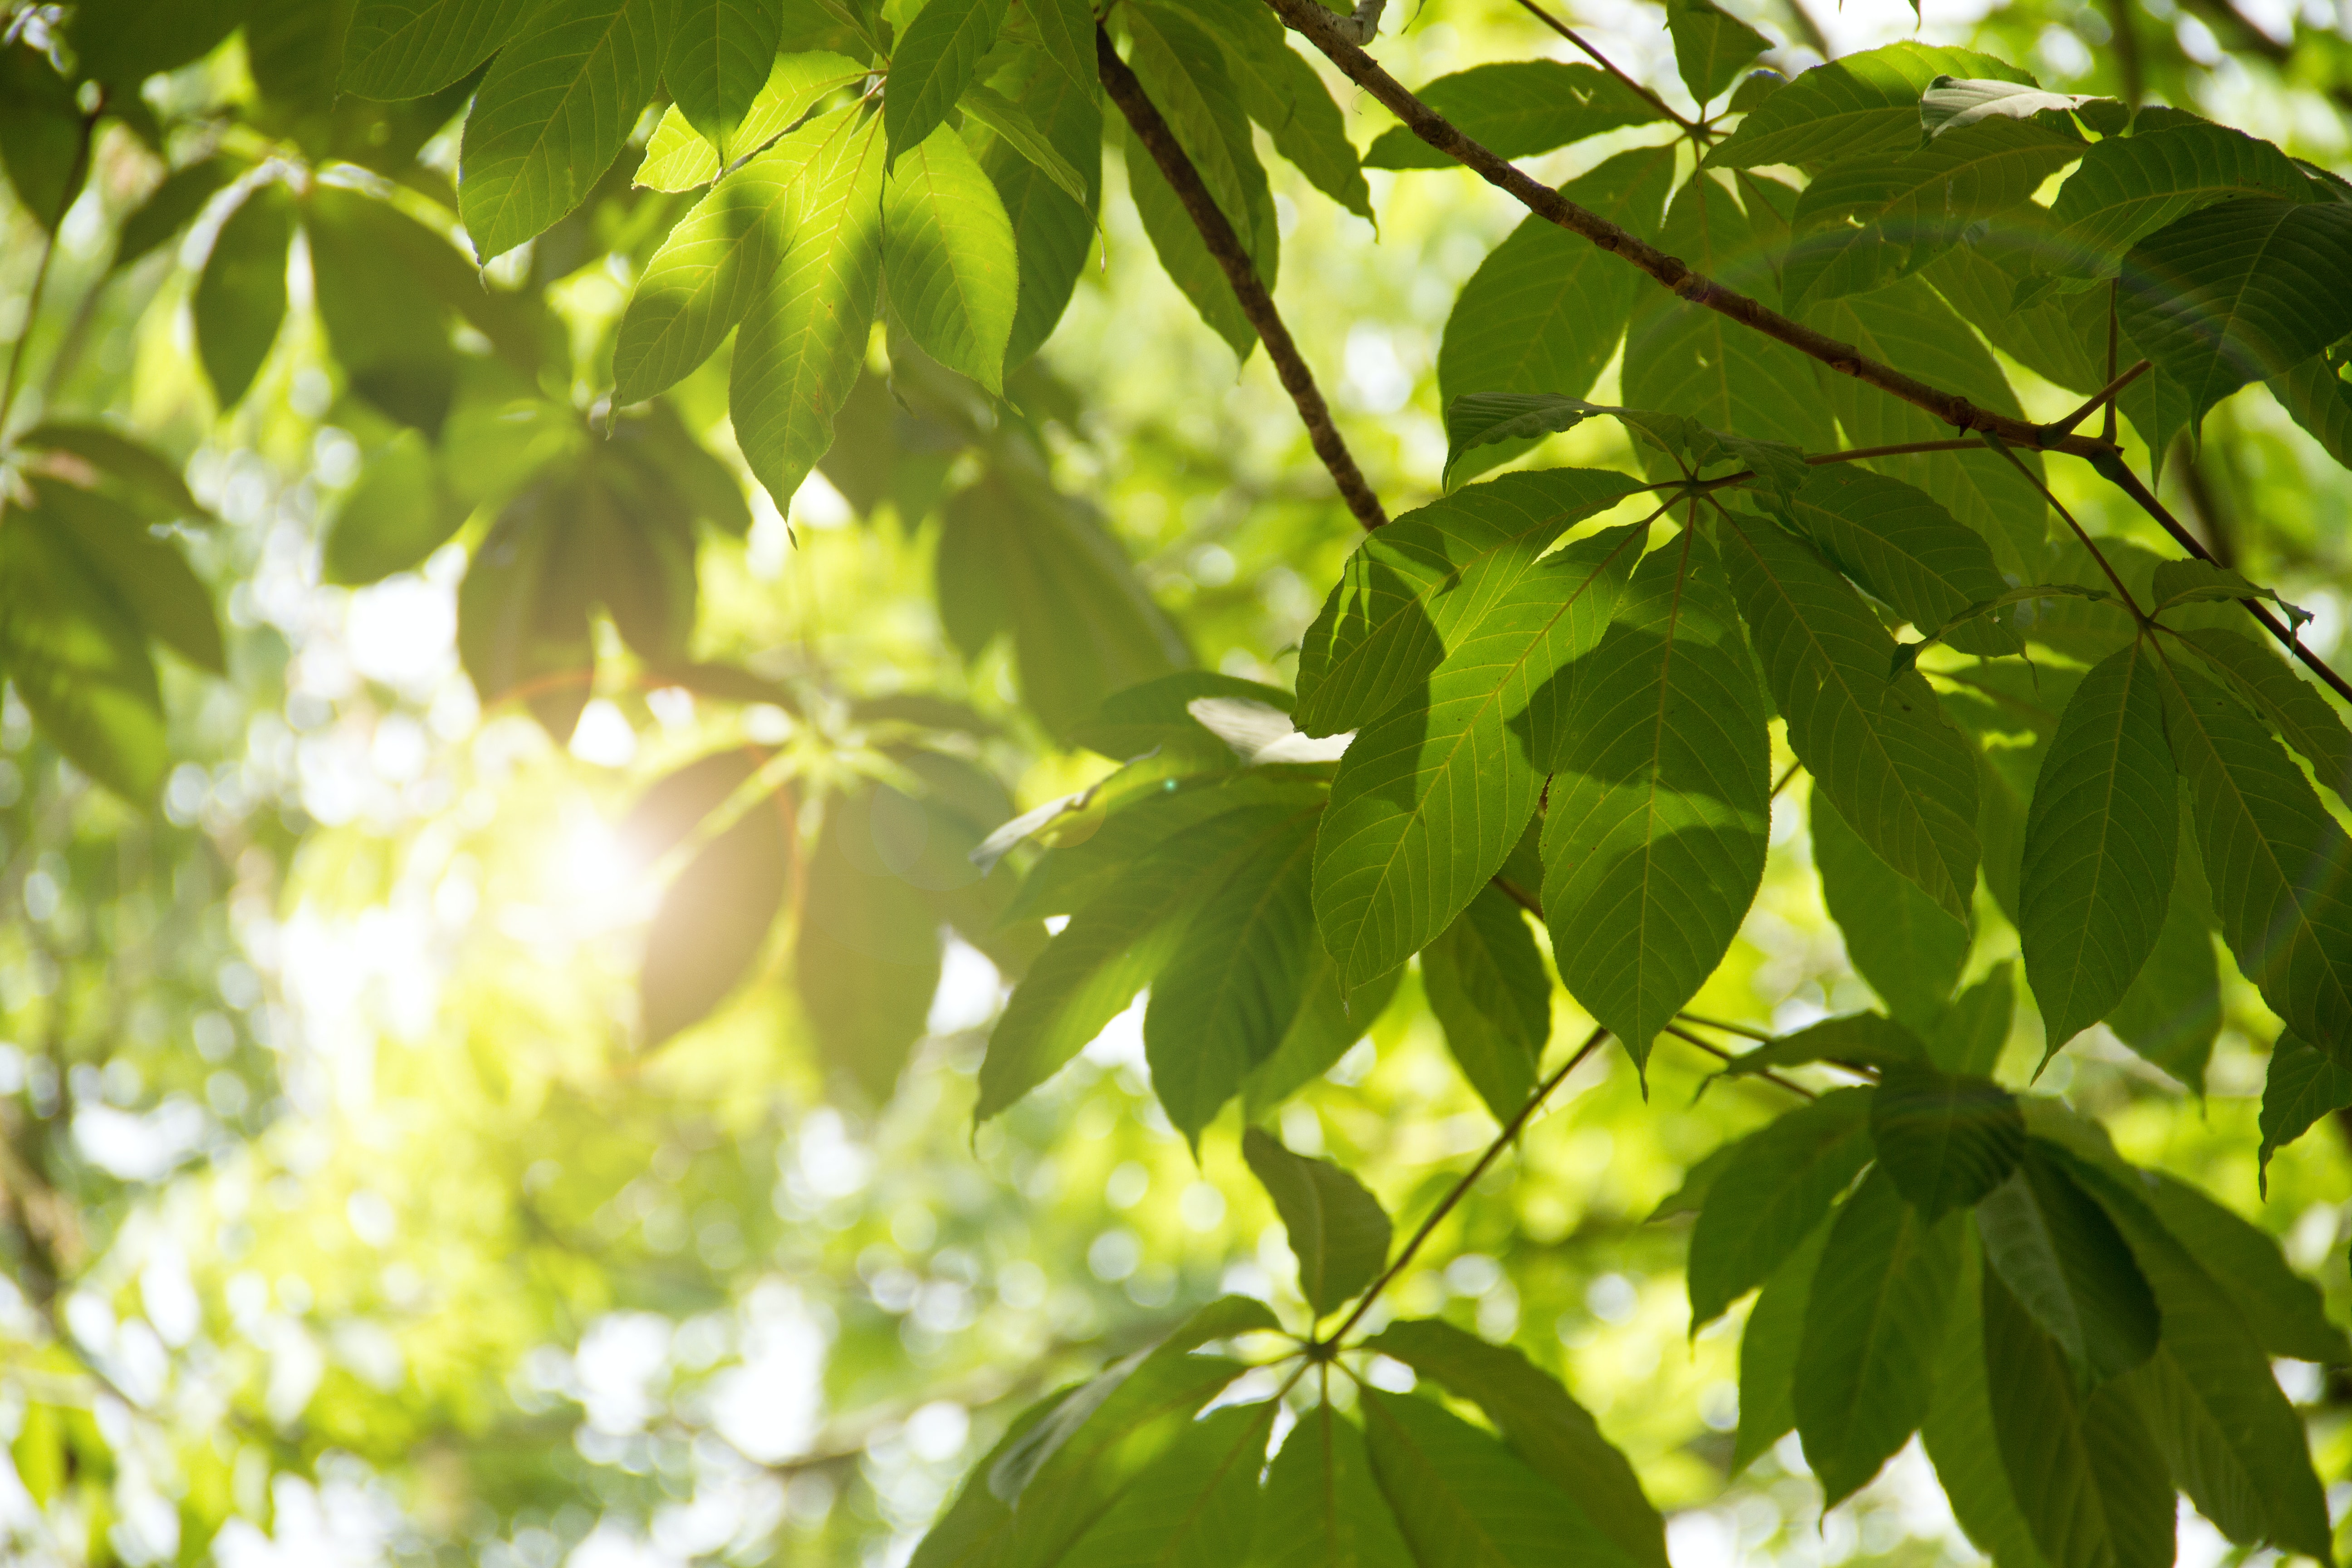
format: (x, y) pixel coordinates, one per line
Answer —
(1460, 1189)
(2106, 397)
(1256, 302)
(1605, 63)
(1517, 894)
(1743, 1030)
(1794, 769)
(1719, 1054)
(2114, 338)
(2081, 534)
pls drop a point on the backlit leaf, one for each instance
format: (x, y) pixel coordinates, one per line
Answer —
(1338, 1231)
(935, 60)
(1769, 1344)
(1461, 1497)
(1858, 103)
(1322, 1508)
(1516, 108)
(240, 297)
(948, 257)
(1487, 984)
(407, 48)
(720, 52)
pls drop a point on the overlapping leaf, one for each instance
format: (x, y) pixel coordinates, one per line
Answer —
(1338, 1231)
(1772, 1192)
(1515, 108)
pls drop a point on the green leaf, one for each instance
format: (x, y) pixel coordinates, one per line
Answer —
(2228, 1435)
(1235, 984)
(1904, 549)
(1183, 255)
(1195, 1506)
(2276, 861)
(1462, 1497)
(1053, 230)
(2172, 1013)
(1110, 950)
(1012, 123)
(1338, 1231)
(2205, 582)
(1711, 46)
(2291, 705)
(2099, 841)
(1324, 1509)
(1946, 1139)
(1959, 1435)
(1771, 1195)
(1487, 984)
(1874, 1323)
(374, 270)
(1516, 108)
(712, 922)
(936, 59)
(2069, 1267)
(721, 54)
(1281, 91)
(1681, 356)
(1330, 1020)
(1769, 1344)
(1865, 222)
(1907, 946)
(1906, 325)
(1183, 70)
(969, 1531)
(174, 204)
(1952, 105)
(2284, 1310)
(1849, 1040)
(1547, 309)
(1067, 29)
(240, 296)
(2303, 1084)
(1429, 801)
(124, 469)
(1082, 626)
(866, 962)
(1881, 750)
(2236, 292)
(76, 658)
(409, 49)
(41, 134)
(1482, 418)
(2083, 1472)
(123, 42)
(679, 158)
(1654, 842)
(714, 262)
(2130, 187)
(1857, 104)
(804, 339)
(948, 257)
(1412, 590)
(398, 514)
(2316, 395)
(1554, 1435)
(146, 574)
(1968, 1035)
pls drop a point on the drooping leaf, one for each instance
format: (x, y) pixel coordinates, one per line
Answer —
(1330, 1020)
(41, 134)
(1487, 984)
(1711, 46)
(2291, 705)
(174, 204)
(1945, 1139)
(1516, 108)
(1322, 1509)
(2069, 1267)
(2238, 292)
(1960, 1439)
(1968, 1035)
(948, 257)
(373, 275)
(144, 574)
(1068, 30)
(1195, 1506)
(932, 64)
(398, 514)
(1874, 1323)
(2099, 840)
(720, 56)
(2084, 1470)
(1182, 254)
(968, 1530)
(2304, 1085)
(1769, 1344)
(2278, 863)
(713, 920)
(1281, 91)
(1429, 800)
(1235, 982)
(1880, 750)
(1338, 1231)
(240, 297)
(1052, 230)
(523, 612)
(678, 158)
(803, 338)
(2286, 1311)
(1012, 126)
(1772, 1193)
(78, 659)
(1858, 103)
(1183, 70)
(1654, 842)
(1413, 589)
(2316, 397)
(2172, 1012)
(2176, 582)
(555, 109)
(1556, 1437)
(1904, 548)
(408, 49)
(865, 959)
(1545, 310)
(1462, 1497)
(1906, 946)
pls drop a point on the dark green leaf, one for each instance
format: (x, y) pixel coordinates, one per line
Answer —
(174, 204)
(146, 574)
(398, 514)
(1330, 1020)
(2203, 581)
(2287, 702)
(124, 469)
(1338, 1231)
(1487, 984)
(1873, 1322)
(1322, 1509)
(2068, 1266)
(2303, 1086)
(968, 1530)
(933, 63)
(1654, 842)
(1905, 549)
(1281, 91)
(241, 295)
(1771, 1195)
(1767, 1351)
(867, 959)
(1968, 1035)
(2172, 1013)
(386, 323)
(1052, 232)
(2315, 395)
(2130, 187)
(123, 42)
(1953, 105)
(522, 613)
(1945, 1139)
(1553, 1433)
(1960, 1439)
(76, 658)
(1849, 1040)
(2286, 1311)
(1900, 940)
(1462, 1497)
(1710, 46)
(407, 48)
(1516, 108)
(41, 134)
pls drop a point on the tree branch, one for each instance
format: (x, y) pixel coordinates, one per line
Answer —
(1257, 303)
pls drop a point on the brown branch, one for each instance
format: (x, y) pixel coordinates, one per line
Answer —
(1256, 302)
(1719, 1054)
(2104, 396)
(1605, 63)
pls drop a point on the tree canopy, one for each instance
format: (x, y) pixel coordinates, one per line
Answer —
(998, 782)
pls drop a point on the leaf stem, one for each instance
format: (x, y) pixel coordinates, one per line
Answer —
(1257, 304)
(1741, 1030)
(2104, 396)
(2034, 479)
(1690, 128)
(1719, 1054)
(1461, 1189)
